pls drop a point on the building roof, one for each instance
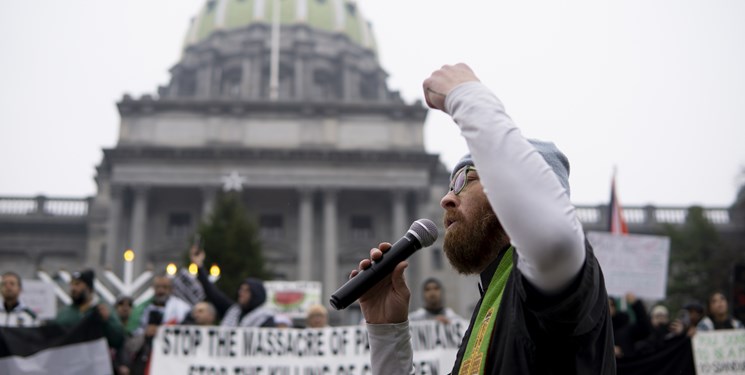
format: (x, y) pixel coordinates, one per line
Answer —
(342, 16)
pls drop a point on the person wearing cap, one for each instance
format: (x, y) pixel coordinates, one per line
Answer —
(84, 303)
(247, 311)
(434, 306)
(13, 313)
(508, 218)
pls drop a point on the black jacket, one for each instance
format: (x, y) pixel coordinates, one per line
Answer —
(569, 333)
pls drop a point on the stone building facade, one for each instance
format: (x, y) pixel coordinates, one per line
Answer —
(294, 107)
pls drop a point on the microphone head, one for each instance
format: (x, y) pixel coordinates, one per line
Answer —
(425, 230)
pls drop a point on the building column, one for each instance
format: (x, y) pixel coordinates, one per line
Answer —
(246, 77)
(346, 79)
(255, 81)
(399, 214)
(113, 252)
(299, 77)
(330, 251)
(138, 227)
(204, 82)
(424, 268)
(209, 194)
(305, 237)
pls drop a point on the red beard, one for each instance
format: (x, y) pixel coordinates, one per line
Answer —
(471, 245)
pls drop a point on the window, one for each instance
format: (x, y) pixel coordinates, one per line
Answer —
(102, 255)
(361, 227)
(369, 86)
(187, 84)
(326, 85)
(231, 82)
(179, 224)
(271, 227)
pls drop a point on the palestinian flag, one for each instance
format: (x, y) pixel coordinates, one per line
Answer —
(52, 349)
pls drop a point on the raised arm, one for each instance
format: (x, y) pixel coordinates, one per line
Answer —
(214, 295)
(523, 190)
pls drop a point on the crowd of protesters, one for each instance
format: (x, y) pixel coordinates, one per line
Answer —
(652, 341)
(638, 333)
(129, 329)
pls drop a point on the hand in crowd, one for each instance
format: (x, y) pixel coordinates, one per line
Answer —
(618, 351)
(444, 80)
(103, 310)
(388, 302)
(151, 330)
(630, 298)
(197, 255)
(677, 327)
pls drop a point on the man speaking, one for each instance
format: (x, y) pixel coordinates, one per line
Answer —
(508, 218)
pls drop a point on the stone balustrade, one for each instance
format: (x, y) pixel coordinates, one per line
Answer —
(42, 205)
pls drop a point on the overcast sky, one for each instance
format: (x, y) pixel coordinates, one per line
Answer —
(656, 88)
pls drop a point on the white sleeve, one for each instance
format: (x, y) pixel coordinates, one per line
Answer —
(390, 349)
(530, 203)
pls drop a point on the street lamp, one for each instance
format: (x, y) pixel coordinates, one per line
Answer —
(193, 269)
(214, 273)
(171, 269)
(129, 256)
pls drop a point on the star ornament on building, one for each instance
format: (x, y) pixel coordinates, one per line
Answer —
(233, 182)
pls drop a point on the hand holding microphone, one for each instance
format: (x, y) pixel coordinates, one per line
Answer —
(378, 282)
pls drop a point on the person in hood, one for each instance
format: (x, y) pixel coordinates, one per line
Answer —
(247, 310)
(434, 307)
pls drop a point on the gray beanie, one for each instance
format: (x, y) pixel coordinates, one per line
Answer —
(551, 154)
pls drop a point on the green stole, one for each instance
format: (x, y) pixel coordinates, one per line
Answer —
(478, 344)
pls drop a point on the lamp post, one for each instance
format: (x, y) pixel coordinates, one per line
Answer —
(129, 257)
(214, 273)
(171, 269)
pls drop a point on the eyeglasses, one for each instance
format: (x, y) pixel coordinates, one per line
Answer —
(460, 180)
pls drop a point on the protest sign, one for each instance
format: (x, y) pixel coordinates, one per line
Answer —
(632, 263)
(719, 352)
(344, 350)
(292, 297)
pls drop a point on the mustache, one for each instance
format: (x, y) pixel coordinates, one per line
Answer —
(451, 216)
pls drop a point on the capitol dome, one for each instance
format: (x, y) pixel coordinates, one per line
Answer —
(324, 51)
(336, 16)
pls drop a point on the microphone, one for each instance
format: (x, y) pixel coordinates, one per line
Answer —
(422, 233)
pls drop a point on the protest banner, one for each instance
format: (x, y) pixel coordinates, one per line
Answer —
(632, 263)
(719, 352)
(192, 350)
(292, 297)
